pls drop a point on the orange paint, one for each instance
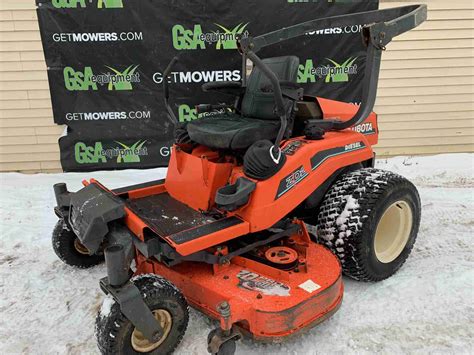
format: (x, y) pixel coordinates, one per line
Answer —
(280, 308)
(284, 301)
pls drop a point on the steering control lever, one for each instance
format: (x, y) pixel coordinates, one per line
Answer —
(166, 91)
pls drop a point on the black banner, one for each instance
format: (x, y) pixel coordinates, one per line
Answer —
(105, 61)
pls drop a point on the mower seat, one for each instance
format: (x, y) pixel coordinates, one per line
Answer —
(257, 119)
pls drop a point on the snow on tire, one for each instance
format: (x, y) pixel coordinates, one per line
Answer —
(69, 249)
(116, 334)
(370, 219)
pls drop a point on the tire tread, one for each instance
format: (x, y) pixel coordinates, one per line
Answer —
(152, 287)
(365, 187)
(63, 245)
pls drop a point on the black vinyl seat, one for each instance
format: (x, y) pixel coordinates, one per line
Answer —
(232, 131)
(257, 119)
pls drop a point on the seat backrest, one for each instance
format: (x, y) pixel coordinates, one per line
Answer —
(259, 104)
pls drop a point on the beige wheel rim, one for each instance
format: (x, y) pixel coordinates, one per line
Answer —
(393, 231)
(81, 249)
(142, 344)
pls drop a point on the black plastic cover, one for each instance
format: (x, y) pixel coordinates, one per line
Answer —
(258, 163)
(92, 208)
(231, 197)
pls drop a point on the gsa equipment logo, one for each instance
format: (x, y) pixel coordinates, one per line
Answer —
(85, 79)
(195, 38)
(122, 153)
(339, 73)
(78, 4)
(187, 114)
(333, 72)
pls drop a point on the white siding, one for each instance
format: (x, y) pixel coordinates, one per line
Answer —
(426, 91)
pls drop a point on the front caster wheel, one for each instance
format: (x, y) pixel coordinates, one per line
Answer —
(117, 335)
(69, 249)
(228, 348)
(225, 345)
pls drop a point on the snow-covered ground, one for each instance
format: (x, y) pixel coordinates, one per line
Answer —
(47, 307)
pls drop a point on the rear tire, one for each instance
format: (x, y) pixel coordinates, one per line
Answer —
(69, 249)
(116, 335)
(370, 219)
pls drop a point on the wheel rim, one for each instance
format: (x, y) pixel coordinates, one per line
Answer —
(81, 249)
(142, 344)
(393, 231)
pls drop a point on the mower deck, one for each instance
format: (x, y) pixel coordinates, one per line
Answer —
(261, 306)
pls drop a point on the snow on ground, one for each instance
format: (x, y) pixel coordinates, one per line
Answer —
(47, 307)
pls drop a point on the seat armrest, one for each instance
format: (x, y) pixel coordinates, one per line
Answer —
(225, 87)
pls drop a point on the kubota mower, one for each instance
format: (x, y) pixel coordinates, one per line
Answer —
(226, 231)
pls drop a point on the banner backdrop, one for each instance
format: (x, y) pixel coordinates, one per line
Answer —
(105, 61)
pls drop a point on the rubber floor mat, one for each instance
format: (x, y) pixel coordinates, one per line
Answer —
(167, 216)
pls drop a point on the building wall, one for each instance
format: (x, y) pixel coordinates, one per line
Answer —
(425, 98)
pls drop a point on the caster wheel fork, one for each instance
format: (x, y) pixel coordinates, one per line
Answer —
(218, 343)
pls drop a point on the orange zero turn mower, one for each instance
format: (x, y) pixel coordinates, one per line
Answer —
(265, 205)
